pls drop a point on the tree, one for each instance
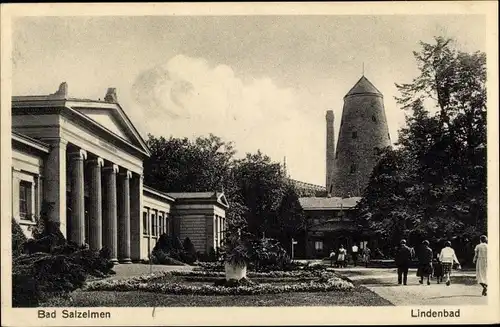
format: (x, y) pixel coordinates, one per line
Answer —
(434, 183)
(260, 185)
(180, 165)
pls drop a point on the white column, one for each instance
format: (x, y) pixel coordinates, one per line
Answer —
(110, 229)
(95, 210)
(124, 217)
(55, 183)
(77, 232)
(136, 210)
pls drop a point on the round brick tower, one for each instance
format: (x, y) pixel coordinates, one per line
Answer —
(363, 129)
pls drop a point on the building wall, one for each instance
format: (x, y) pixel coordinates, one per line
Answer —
(363, 129)
(27, 168)
(156, 220)
(203, 223)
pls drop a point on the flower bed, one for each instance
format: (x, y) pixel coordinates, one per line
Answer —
(150, 283)
(333, 284)
(272, 274)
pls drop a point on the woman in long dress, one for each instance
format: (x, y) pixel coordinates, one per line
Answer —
(341, 259)
(480, 259)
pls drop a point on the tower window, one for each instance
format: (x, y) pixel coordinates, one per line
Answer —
(388, 136)
(374, 118)
(336, 155)
(353, 168)
(354, 135)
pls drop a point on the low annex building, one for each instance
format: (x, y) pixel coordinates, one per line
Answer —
(85, 158)
(330, 224)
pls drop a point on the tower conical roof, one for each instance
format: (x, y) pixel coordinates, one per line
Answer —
(363, 86)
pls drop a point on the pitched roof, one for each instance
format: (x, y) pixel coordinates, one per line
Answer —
(218, 197)
(316, 203)
(31, 142)
(363, 86)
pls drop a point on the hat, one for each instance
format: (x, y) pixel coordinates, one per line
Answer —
(425, 242)
(403, 241)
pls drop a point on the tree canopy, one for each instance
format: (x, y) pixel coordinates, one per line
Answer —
(433, 183)
(261, 200)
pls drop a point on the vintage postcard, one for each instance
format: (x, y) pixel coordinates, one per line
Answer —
(249, 163)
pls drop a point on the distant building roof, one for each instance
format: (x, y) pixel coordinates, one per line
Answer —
(307, 185)
(186, 196)
(363, 86)
(316, 203)
(31, 142)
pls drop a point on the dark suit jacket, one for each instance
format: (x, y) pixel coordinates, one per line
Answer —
(403, 256)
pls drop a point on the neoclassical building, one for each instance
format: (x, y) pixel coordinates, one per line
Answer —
(85, 158)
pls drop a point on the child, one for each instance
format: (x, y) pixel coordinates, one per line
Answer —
(438, 270)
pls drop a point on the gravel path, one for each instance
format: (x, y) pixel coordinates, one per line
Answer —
(462, 291)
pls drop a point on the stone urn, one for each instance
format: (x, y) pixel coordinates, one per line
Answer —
(235, 271)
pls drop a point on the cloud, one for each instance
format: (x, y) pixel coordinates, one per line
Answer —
(187, 97)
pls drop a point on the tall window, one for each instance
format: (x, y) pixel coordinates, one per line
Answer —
(166, 223)
(374, 118)
(145, 223)
(153, 225)
(354, 135)
(353, 168)
(318, 245)
(160, 218)
(25, 200)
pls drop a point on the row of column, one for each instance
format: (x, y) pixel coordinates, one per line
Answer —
(109, 220)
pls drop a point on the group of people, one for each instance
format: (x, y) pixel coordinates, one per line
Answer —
(440, 266)
(340, 258)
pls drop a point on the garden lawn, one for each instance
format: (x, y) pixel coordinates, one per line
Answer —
(360, 296)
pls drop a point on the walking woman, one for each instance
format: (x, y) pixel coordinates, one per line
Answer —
(341, 259)
(480, 259)
(425, 263)
(447, 258)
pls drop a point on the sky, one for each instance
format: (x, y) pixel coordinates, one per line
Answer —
(262, 82)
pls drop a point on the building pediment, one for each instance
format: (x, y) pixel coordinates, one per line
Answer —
(106, 116)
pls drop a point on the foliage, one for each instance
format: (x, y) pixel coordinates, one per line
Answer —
(50, 266)
(433, 184)
(18, 239)
(260, 199)
(190, 254)
(268, 254)
(160, 257)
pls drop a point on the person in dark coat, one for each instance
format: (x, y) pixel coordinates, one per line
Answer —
(403, 260)
(438, 270)
(425, 263)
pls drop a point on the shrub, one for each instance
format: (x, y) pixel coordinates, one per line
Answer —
(39, 276)
(168, 246)
(18, 239)
(268, 254)
(50, 266)
(189, 254)
(159, 257)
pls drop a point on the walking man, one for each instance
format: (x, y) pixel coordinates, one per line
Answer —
(403, 260)
(355, 254)
(447, 258)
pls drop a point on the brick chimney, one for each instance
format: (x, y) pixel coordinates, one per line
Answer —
(111, 95)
